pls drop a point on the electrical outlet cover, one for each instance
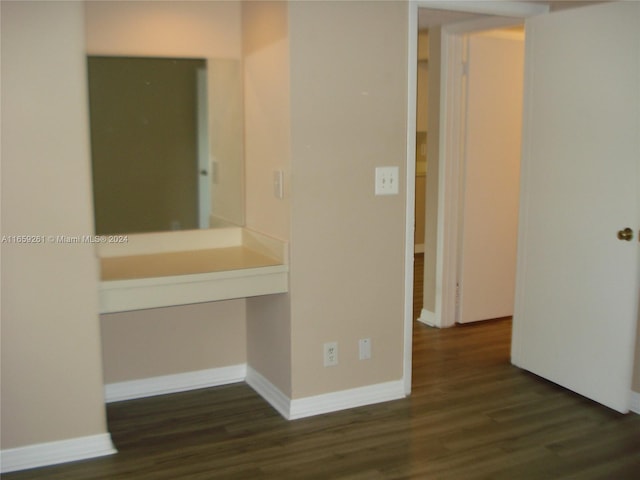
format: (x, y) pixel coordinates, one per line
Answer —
(364, 348)
(330, 354)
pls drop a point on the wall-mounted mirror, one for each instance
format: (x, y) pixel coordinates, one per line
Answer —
(167, 143)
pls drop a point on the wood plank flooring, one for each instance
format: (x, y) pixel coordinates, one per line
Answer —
(472, 415)
(418, 284)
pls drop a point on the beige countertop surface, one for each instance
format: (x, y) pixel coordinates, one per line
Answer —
(182, 263)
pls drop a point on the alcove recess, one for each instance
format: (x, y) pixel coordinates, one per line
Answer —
(178, 268)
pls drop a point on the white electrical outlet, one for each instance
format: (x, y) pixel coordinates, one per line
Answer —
(364, 349)
(387, 180)
(330, 354)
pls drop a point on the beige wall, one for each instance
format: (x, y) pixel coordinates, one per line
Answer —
(193, 29)
(165, 341)
(269, 339)
(267, 115)
(226, 139)
(348, 115)
(51, 367)
(328, 107)
(164, 28)
(348, 100)
(267, 148)
(346, 84)
(421, 136)
(180, 29)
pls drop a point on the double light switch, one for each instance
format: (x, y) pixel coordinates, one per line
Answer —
(387, 181)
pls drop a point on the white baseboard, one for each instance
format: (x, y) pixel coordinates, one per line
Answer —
(635, 402)
(428, 318)
(180, 382)
(268, 391)
(325, 403)
(351, 398)
(52, 453)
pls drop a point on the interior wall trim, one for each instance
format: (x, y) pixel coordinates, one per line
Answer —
(428, 318)
(269, 392)
(410, 214)
(52, 453)
(293, 409)
(180, 382)
(344, 399)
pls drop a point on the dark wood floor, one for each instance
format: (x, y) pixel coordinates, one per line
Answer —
(418, 284)
(471, 415)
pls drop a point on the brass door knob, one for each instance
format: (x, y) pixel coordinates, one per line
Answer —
(626, 234)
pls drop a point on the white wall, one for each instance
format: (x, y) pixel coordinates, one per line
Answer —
(491, 175)
(433, 168)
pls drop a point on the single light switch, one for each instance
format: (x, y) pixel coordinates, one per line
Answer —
(387, 180)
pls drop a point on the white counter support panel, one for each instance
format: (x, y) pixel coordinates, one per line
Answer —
(134, 277)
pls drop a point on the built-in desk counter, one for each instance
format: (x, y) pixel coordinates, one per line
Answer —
(150, 273)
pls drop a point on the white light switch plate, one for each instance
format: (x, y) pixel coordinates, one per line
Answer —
(278, 184)
(387, 182)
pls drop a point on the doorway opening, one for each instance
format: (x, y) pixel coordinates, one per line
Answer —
(488, 87)
(560, 182)
(490, 174)
(436, 286)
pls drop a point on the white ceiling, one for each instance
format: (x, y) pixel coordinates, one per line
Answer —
(428, 18)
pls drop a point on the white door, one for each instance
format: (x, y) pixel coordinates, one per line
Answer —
(487, 259)
(577, 283)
